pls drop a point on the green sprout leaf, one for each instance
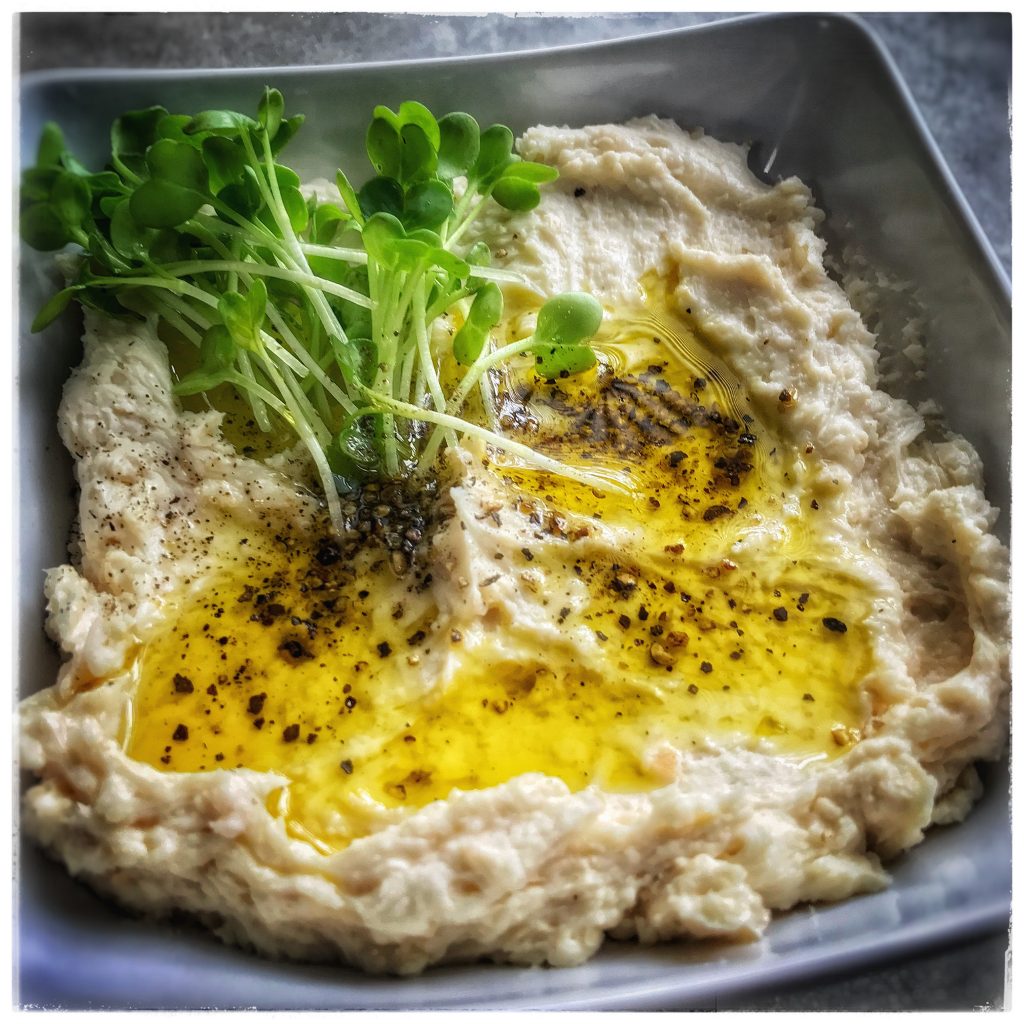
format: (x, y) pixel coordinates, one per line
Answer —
(228, 123)
(197, 382)
(51, 146)
(243, 315)
(352, 454)
(37, 183)
(129, 237)
(73, 165)
(296, 208)
(71, 199)
(133, 133)
(539, 174)
(437, 255)
(217, 353)
(53, 308)
(418, 155)
(381, 195)
(459, 145)
(136, 300)
(286, 132)
(43, 229)
(383, 146)
(563, 323)
(515, 194)
(218, 349)
(162, 204)
(495, 153)
(104, 254)
(565, 361)
(173, 127)
(104, 181)
(380, 232)
(327, 219)
(243, 197)
(271, 111)
(225, 161)
(179, 164)
(348, 196)
(103, 301)
(386, 241)
(411, 113)
(286, 177)
(403, 145)
(169, 246)
(483, 316)
(568, 319)
(428, 204)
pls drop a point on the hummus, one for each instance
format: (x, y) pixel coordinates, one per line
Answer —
(760, 663)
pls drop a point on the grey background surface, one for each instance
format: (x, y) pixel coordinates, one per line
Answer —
(957, 67)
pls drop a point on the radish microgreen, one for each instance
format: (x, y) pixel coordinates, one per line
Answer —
(320, 313)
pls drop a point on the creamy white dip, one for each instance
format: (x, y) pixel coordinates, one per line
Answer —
(534, 870)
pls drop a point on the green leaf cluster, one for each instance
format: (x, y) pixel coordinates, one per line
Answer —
(418, 158)
(319, 312)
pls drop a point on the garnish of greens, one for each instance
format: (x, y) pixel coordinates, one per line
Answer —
(321, 314)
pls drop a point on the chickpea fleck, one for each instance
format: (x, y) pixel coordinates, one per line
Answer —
(660, 655)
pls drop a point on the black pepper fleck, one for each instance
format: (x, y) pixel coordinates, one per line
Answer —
(295, 650)
(182, 684)
(714, 511)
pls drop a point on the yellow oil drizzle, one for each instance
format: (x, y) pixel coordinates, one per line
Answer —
(729, 617)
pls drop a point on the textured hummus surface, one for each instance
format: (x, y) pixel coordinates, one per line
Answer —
(530, 871)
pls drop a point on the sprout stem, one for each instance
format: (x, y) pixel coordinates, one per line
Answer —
(528, 455)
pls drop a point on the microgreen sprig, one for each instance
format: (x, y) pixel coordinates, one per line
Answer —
(320, 314)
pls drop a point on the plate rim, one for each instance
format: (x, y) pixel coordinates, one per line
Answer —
(989, 915)
(852, 23)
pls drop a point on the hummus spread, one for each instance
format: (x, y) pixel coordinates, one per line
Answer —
(510, 717)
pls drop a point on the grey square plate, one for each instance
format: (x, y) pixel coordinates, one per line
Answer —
(819, 98)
